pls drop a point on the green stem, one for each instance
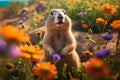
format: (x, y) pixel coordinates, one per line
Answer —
(103, 29)
(23, 27)
(118, 44)
(106, 44)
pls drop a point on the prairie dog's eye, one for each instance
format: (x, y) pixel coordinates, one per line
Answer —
(51, 13)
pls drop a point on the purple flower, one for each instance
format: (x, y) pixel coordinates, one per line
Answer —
(14, 51)
(109, 31)
(2, 45)
(102, 53)
(20, 22)
(24, 13)
(81, 13)
(107, 36)
(55, 56)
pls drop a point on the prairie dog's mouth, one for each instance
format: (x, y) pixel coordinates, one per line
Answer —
(59, 23)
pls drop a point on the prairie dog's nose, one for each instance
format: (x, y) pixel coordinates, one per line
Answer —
(60, 16)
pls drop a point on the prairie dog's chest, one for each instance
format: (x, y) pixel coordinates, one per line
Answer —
(59, 39)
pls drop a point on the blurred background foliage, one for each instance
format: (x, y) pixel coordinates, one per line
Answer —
(79, 11)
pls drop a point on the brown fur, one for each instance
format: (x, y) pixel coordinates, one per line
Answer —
(60, 37)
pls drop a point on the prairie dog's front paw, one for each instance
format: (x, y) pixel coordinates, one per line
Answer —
(63, 53)
(49, 51)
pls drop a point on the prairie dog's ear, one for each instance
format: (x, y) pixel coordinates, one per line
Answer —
(64, 11)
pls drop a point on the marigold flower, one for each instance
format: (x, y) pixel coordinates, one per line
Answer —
(37, 17)
(84, 26)
(87, 53)
(34, 53)
(86, 3)
(95, 3)
(102, 53)
(101, 21)
(13, 34)
(39, 33)
(45, 70)
(72, 1)
(96, 67)
(107, 8)
(68, 4)
(116, 25)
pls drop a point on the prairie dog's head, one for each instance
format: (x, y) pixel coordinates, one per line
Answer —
(58, 19)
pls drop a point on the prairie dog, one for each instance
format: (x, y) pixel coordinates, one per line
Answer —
(58, 36)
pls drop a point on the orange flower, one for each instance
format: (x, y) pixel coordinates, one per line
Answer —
(97, 67)
(37, 16)
(86, 3)
(95, 3)
(34, 53)
(12, 33)
(72, 1)
(116, 24)
(107, 8)
(45, 70)
(84, 26)
(74, 79)
(101, 21)
(68, 4)
(35, 25)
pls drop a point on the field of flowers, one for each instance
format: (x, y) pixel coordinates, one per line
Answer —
(21, 60)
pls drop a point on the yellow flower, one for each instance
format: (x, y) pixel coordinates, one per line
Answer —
(87, 53)
(39, 33)
(45, 70)
(10, 66)
(101, 21)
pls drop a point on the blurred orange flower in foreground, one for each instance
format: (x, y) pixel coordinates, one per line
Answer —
(116, 24)
(12, 33)
(34, 53)
(97, 67)
(45, 70)
(101, 21)
(107, 8)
